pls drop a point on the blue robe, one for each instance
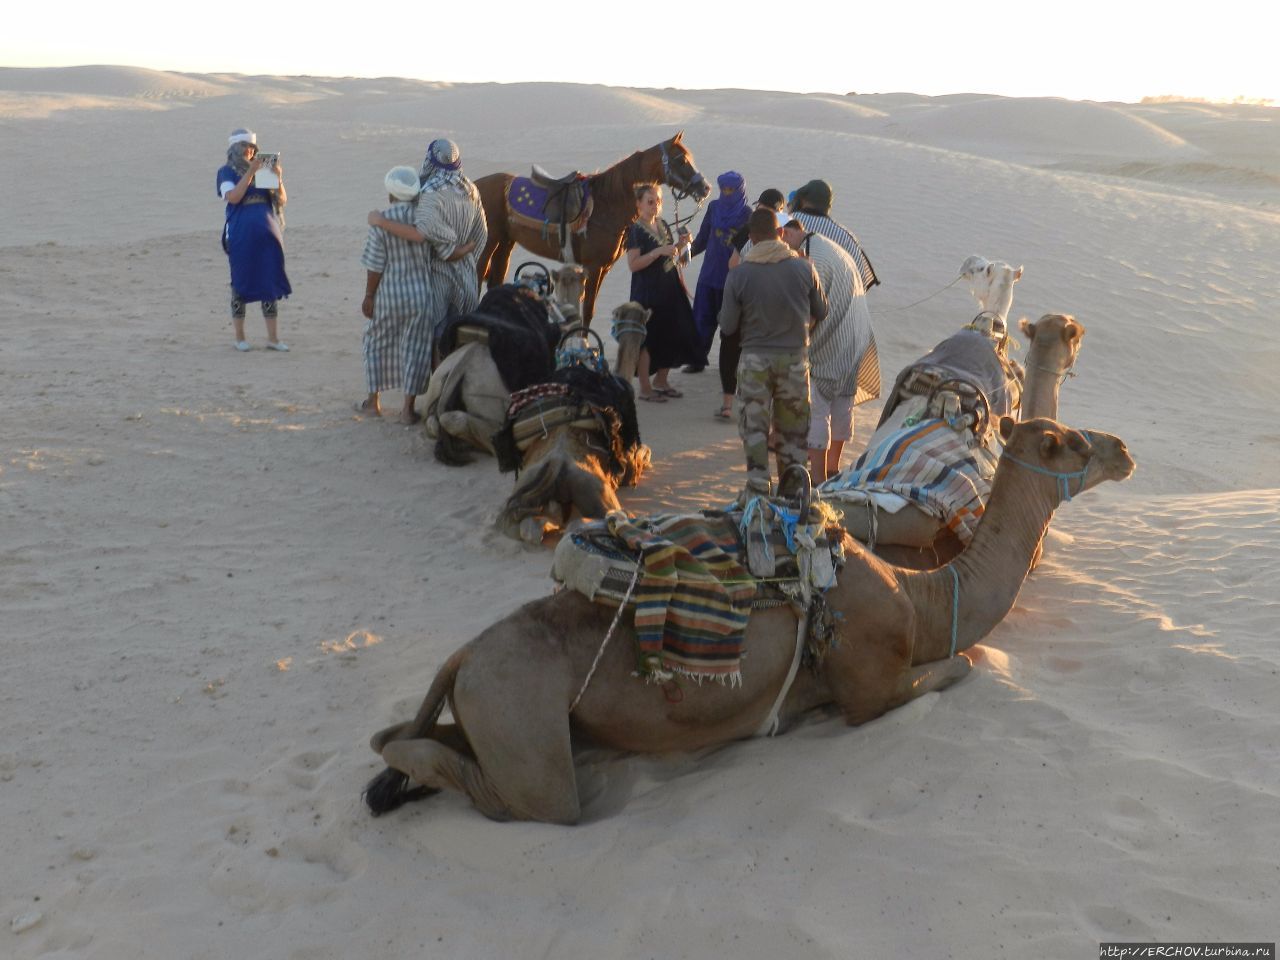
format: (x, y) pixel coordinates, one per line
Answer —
(254, 243)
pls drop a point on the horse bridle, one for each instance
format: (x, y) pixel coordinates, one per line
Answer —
(681, 188)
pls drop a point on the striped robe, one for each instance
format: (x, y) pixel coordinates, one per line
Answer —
(816, 223)
(396, 341)
(449, 217)
(843, 360)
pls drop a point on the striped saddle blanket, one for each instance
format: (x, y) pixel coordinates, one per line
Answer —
(944, 472)
(689, 581)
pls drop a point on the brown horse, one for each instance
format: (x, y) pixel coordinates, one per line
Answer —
(613, 209)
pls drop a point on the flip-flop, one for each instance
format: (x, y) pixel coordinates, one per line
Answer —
(724, 413)
(668, 392)
(655, 397)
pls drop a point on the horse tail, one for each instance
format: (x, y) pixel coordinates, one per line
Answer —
(390, 789)
(450, 450)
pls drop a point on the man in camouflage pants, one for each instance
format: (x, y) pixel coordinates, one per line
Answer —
(772, 298)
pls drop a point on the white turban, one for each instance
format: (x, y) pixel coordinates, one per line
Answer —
(242, 135)
(402, 183)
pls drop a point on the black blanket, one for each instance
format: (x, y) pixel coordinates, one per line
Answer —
(522, 340)
(605, 392)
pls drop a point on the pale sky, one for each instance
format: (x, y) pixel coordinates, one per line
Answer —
(1084, 50)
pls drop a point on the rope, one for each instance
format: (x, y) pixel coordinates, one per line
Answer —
(930, 296)
(608, 635)
(1062, 478)
(955, 606)
(770, 725)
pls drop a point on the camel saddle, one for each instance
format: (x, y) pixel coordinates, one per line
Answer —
(556, 206)
(692, 580)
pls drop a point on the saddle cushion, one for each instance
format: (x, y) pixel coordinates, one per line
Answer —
(522, 340)
(546, 208)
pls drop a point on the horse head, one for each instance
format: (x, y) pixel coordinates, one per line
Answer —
(679, 173)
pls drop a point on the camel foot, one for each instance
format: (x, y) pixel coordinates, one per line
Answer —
(390, 790)
(532, 530)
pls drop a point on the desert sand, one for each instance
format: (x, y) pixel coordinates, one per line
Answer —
(216, 582)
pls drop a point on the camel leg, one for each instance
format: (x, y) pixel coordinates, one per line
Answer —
(527, 775)
(474, 430)
(928, 677)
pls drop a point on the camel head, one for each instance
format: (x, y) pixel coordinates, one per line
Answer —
(991, 283)
(1055, 341)
(1076, 459)
(569, 288)
(628, 329)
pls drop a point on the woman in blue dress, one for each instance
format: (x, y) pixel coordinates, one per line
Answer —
(658, 283)
(252, 236)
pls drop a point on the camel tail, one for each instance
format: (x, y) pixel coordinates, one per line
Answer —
(449, 449)
(390, 789)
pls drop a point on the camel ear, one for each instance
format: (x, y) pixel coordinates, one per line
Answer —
(1028, 328)
(990, 267)
(1006, 428)
(1072, 331)
(1049, 447)
(647, 314)
(1078, 442)
(1017, 274)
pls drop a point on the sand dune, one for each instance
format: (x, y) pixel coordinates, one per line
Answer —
(216, 582)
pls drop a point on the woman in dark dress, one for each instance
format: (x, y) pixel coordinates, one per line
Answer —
(658, 283)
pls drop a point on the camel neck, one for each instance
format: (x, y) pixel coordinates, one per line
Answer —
(987, 577)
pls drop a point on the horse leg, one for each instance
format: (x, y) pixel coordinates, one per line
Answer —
(496, 274)
(590, 287)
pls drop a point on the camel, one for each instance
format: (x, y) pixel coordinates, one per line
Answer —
(902, 535)
(584, 445)
(466, 400)
(628, 329)
(991, 283)
(544, 680)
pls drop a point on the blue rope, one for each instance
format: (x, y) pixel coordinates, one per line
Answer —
(1063, 479)
(955, 607)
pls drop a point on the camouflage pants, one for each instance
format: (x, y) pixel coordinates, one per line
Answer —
(773, 394)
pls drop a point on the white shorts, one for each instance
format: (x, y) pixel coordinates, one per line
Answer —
(829, 420)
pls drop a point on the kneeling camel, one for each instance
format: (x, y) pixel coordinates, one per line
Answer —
(521, 701)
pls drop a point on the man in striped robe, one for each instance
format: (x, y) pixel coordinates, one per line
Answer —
(451, 221)
(844, 368)
(811, 205)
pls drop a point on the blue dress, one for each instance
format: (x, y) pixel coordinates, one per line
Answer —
(669, 336)
(254, 243)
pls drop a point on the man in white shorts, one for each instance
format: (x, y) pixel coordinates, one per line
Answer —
(844, 368)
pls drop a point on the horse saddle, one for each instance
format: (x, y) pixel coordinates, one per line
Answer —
(546, 202)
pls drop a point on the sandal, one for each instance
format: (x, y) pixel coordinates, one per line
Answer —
(655, 397)
(669, 392)
(724, 413)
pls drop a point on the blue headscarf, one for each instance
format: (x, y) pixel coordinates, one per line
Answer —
(730, 210)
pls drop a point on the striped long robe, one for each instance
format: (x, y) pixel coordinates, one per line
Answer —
(396, 343)
(843, 360)
(449, 217)
(816, 223)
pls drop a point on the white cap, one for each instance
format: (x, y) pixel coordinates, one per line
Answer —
(402, 183)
